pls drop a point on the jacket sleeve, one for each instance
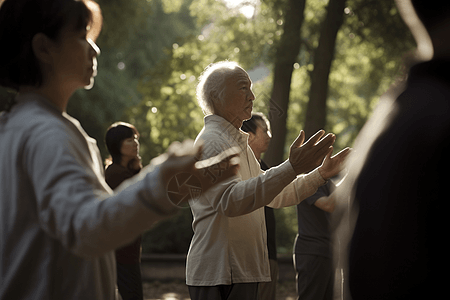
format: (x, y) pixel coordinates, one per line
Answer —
(278, 185)
(75, 206)
(300, 189)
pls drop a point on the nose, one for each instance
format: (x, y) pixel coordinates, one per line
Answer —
(252, 96)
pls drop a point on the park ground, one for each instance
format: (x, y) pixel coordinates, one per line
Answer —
(177, 290)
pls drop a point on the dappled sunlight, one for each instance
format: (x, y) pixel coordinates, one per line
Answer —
(173, 296)
(245, 7)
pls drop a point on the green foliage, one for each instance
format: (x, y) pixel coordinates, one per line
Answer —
(375, 40)
(170, 236)
(286, 229)
(134, 36)
(368, 58)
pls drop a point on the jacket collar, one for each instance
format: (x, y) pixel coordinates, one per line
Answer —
(227, 130)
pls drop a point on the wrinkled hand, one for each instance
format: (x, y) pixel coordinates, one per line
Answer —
(332, 165)
(308, 156)
(184, 158)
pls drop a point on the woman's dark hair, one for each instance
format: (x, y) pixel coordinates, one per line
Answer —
(115, 134)
(21, 20)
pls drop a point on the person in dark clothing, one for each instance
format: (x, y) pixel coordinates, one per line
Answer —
(258, 128)
(398, 178)
(312, 248)
(122, 141)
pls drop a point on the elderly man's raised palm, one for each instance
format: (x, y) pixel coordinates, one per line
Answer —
(316, 152)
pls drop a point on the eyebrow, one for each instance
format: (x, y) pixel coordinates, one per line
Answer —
(244, 81)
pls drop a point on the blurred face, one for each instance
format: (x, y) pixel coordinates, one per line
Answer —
(130, 147)
(259, 141)
(238, 99)
(74, 60)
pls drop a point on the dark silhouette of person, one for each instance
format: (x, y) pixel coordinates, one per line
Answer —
(398, 175)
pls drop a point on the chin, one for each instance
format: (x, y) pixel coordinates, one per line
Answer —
(90, 85)
(248, 116)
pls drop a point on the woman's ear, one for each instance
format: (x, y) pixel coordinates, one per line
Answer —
(41, 45)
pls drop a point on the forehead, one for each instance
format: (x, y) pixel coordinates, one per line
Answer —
(239, 76)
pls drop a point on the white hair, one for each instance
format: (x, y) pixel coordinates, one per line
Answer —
(211, 85)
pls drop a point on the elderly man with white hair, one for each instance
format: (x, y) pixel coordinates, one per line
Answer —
(228, 253)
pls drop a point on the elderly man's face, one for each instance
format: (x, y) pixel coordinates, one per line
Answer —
(238, 98)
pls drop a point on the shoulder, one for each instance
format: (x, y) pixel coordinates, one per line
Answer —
(214, 141)
(31, 114)
(42, 132)
(116, 169)
(115, 174)
(32, 123)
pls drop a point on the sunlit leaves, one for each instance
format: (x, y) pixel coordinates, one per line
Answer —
(170, 6)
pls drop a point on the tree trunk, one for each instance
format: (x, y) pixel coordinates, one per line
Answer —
(323, 57)
(286, 54)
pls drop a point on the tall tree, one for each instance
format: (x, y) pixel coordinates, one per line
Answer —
(286, 55)
(323, 57)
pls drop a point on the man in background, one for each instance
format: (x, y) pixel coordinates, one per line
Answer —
(312, 249)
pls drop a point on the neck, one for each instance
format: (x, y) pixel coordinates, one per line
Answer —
(232, 119)
(55, 96)
(124, 162)
(257, 155)
(54, 90)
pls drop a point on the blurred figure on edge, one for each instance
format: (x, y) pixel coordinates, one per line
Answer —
(259, 135)
(59, 220)
(122, 141)
(228, 253)
(398, 175)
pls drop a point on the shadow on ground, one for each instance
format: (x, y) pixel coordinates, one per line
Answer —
(177, 290)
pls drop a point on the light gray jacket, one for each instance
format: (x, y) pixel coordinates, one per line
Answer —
(59, 220)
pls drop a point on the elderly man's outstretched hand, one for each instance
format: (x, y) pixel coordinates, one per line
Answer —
(332, 165)
(308, 156)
